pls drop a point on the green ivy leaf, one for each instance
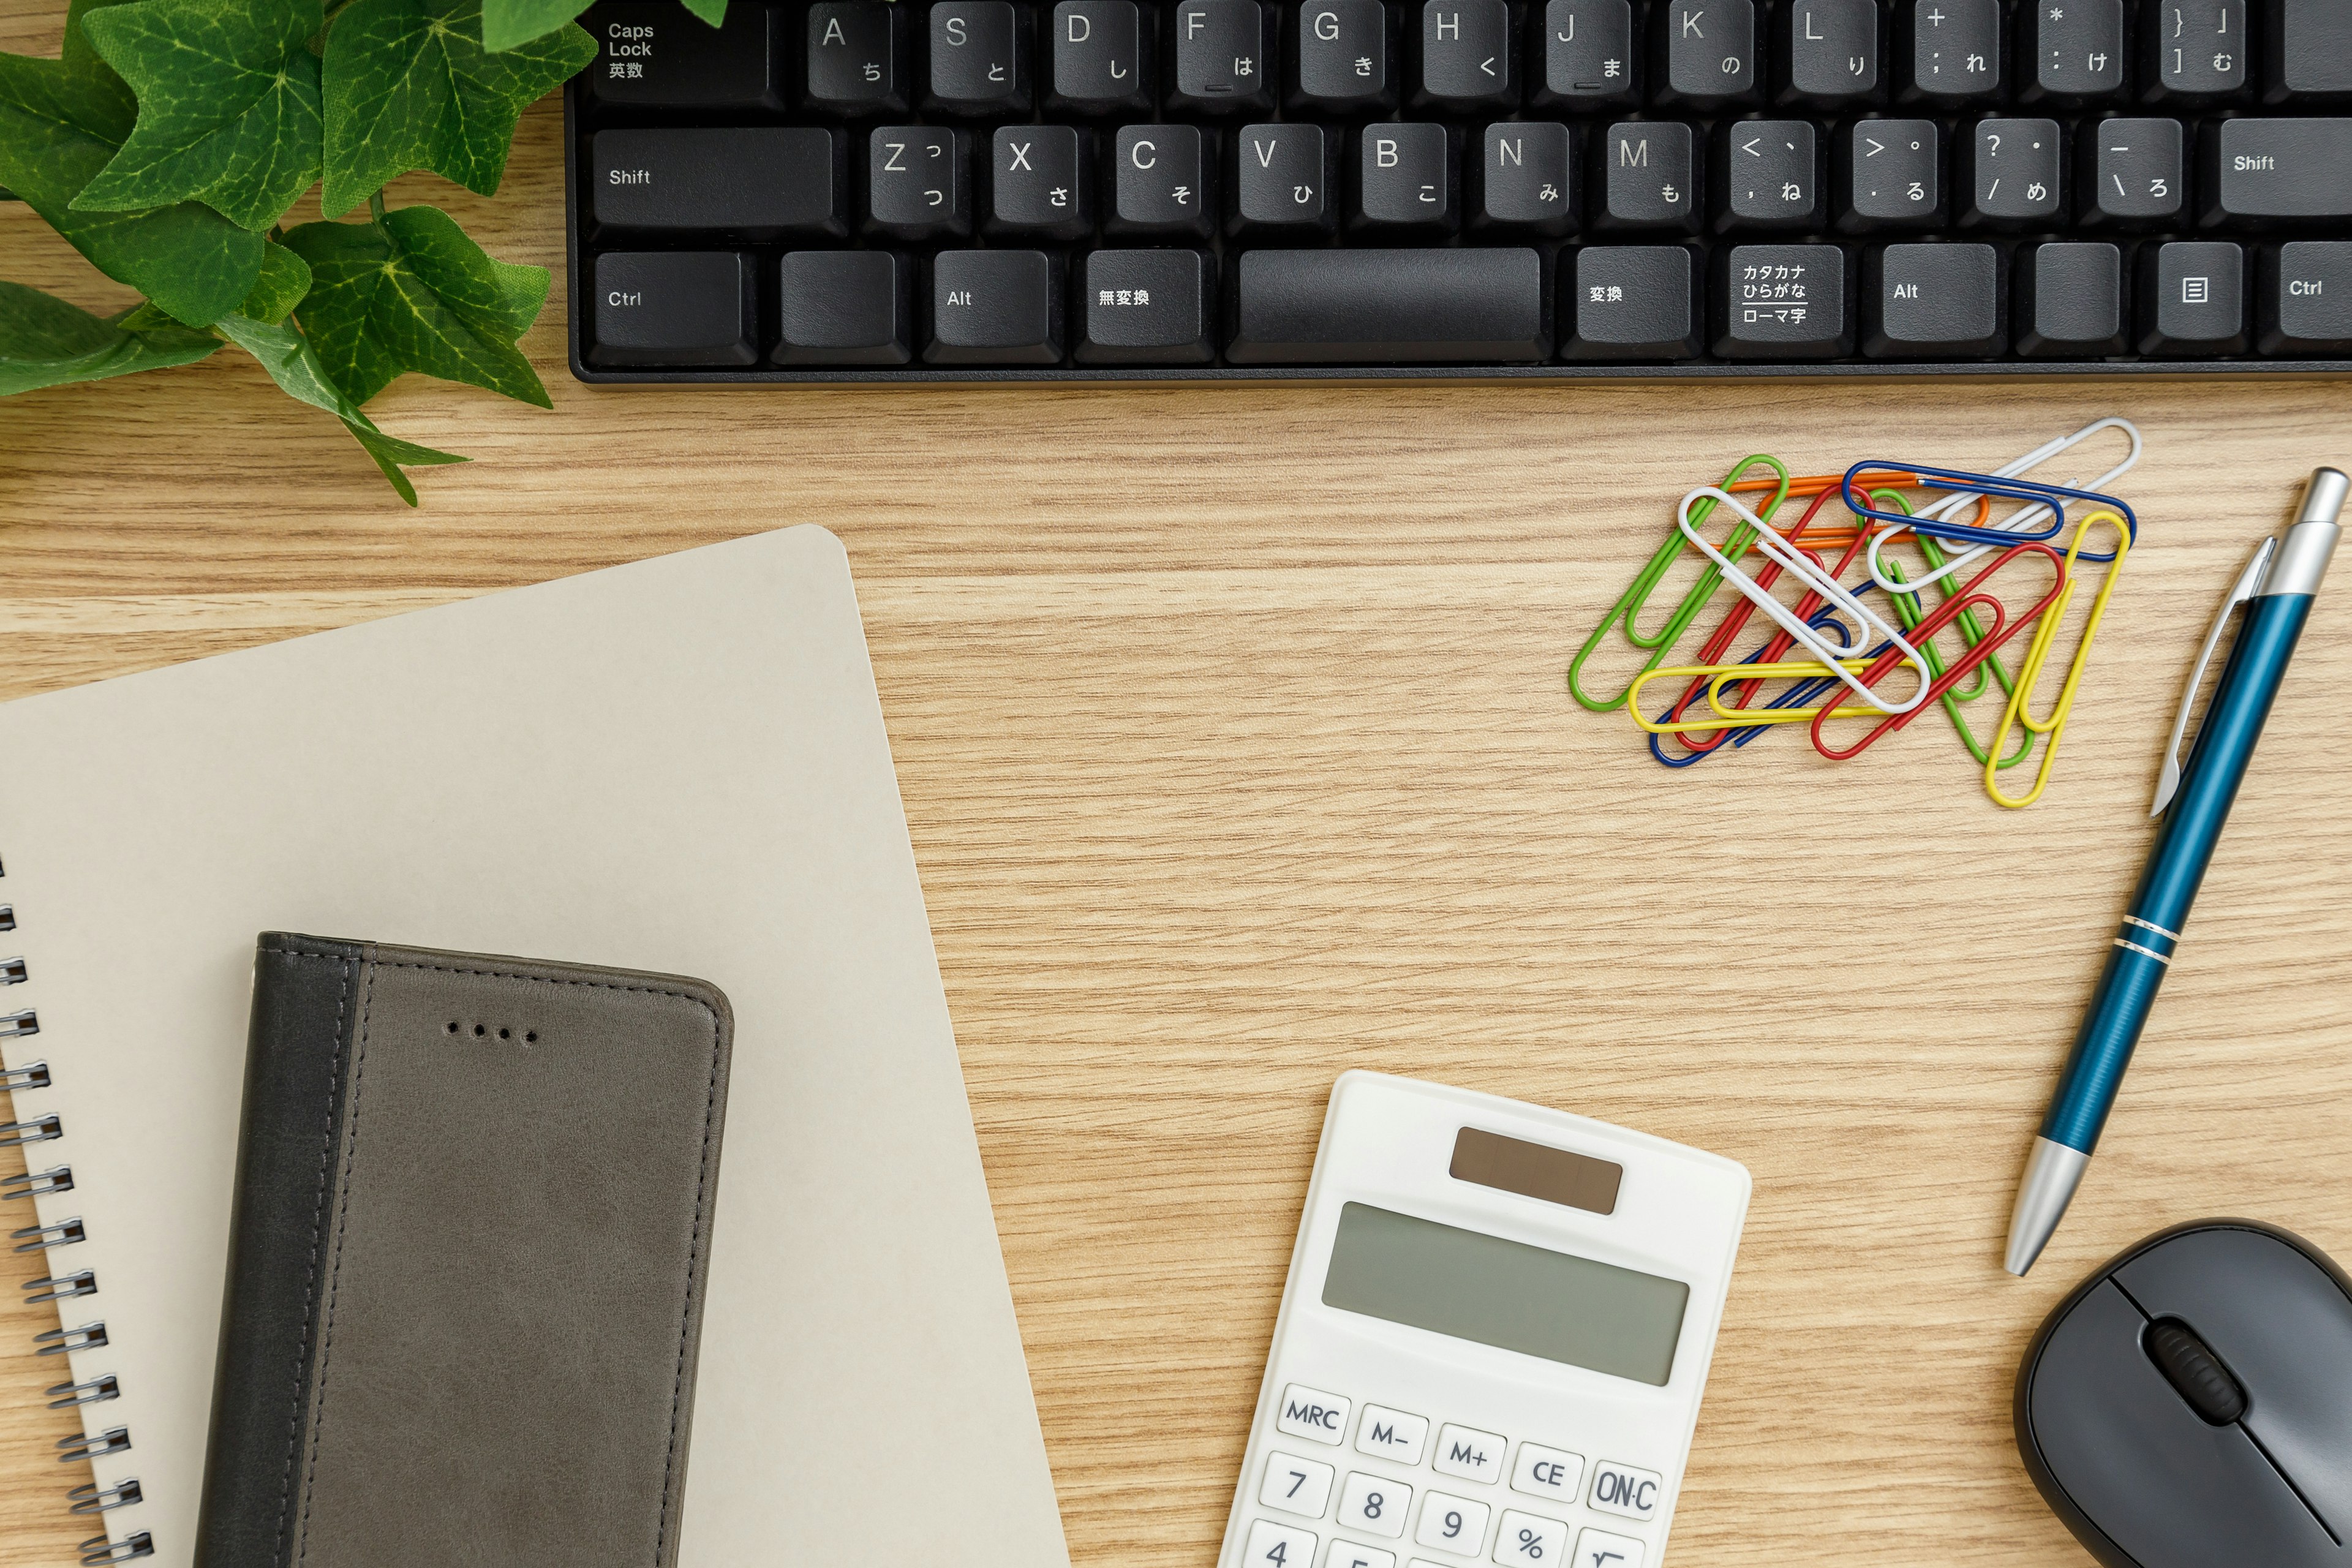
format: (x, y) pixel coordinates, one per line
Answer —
(228, 106)
(711, 11)
(287, 355)
(44, 341)
(61, 121)
(413, 293)
(409, 86)
(508, 23)
(285, 279)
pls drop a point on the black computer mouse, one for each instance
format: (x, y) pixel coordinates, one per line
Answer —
(2189, 1405)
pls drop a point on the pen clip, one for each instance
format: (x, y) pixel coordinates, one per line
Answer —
(2167, 779)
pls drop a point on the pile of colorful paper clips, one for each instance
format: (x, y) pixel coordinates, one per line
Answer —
(1800, 588)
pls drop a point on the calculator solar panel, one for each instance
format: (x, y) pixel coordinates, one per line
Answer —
(1052, 190)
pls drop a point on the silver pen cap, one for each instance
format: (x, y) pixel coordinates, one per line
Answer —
(2305, 551)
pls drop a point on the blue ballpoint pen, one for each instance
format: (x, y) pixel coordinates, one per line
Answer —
(2277, 588)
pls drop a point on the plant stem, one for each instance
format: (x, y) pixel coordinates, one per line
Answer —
(375, 207)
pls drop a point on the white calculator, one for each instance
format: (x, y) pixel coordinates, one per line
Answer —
(1493, 1341)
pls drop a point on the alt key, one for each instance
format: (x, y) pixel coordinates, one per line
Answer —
(672, 307)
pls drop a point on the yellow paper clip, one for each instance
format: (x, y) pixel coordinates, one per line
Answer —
(2037, 654)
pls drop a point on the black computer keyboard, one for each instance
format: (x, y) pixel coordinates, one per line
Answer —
(907, 190)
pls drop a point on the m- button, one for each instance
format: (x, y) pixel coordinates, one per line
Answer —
(1313, 1415)
(1471, 1454)
(1622, 1490)
(1387, 1434)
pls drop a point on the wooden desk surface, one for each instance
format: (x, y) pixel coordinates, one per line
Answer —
(1232, 734)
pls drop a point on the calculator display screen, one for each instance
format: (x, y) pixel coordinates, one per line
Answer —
(1505, 1293)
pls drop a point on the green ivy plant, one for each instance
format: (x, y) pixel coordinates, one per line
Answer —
(172, 137)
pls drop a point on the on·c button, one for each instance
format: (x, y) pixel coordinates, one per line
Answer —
(1622, 1490)
(1311, 1413)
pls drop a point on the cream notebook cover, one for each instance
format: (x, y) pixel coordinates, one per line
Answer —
(677, 765)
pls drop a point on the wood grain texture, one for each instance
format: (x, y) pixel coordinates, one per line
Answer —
(1233, 739)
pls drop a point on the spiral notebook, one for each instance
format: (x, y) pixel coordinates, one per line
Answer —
(678, 764)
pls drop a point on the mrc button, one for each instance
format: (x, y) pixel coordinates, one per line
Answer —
(1620, 1488)
(1313, 1415)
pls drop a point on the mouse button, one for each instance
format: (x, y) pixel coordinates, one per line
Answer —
(2130, 1454)
(2282, 1326)
(2191, 1367)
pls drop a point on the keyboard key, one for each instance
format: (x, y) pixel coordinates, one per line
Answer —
(1038, 178)
(2070, 301)
(1891, 173)
(1767, 175)
(1273, 1545)
(1374, 1505)
(1648, 176)
(1467, 57)
(2014, 176)
(979, 58)
(1925, 301)
(1602, 1549)
(661, 56)
(1467, 1452)
(847, 307)
(1452, 1524)
(1708, 54)
(1146, 307)
(1102, 58)
(2309, 44)
(1526, 178)
(2192, 299)
(2075, 50)
(1348, 1554)
(1530, 1540)
(1554, 1473)
(1828, 54)
(1224, 58)
(2307, 297)
(1367, 307)
(1392, 1434)
(2133, 173)
(915, 181)
(1293, 1485)
(2198, 51)
(1592, 60)
(1953, 49)
(761, 182)
(2277, 171)
(1343, 55)
(857, 56)
(1161, 181)
(1626, 302)
(1283, 180)
(672, 307)
(995, 307)
(1404, 179)
(1780, 301)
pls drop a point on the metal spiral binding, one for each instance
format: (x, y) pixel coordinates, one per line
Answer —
(63, 1286)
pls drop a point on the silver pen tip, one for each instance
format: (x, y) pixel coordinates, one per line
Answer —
(2053, 1172)
(2323, 498)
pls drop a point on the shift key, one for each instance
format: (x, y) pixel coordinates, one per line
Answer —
(762, 183)
(2278, 171)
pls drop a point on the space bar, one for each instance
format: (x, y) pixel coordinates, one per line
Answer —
(1371, 307)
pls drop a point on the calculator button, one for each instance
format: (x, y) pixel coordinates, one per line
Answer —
(1599, 1549)
(1374, 1504)
(1473, 1455)
(1452, 1523)
(1528, 1541)
(1620, 1488)
(1273, 1545)
(1297, 1485)
(1311, 1413)
(1547, 1472)
(1348, 1554)
(1387, 1434)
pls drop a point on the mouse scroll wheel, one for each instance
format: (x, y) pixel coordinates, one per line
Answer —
(2195, 1371)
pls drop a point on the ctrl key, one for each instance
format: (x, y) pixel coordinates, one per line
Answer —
(666, 308)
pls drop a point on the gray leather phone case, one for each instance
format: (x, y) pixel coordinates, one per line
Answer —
(473, 1222)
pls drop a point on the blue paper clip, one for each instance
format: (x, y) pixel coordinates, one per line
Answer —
(1804, 691)
(2053, 496)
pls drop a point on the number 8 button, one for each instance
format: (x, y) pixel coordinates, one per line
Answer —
(1374, 1504)
(1527, 1541)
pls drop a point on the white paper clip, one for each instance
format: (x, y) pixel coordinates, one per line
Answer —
(2027, 514)
(1771, 542)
